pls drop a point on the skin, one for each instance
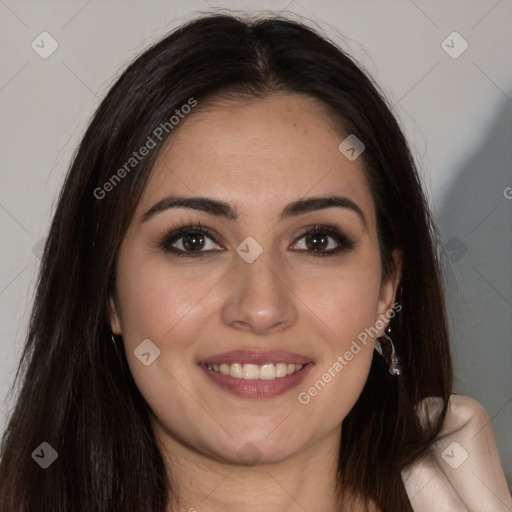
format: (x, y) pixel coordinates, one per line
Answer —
(258, 156)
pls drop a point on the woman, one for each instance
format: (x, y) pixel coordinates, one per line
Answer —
(241, 227)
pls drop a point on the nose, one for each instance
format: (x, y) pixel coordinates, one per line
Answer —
(260, 299)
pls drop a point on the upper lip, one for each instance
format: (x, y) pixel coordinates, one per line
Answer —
(258, 357)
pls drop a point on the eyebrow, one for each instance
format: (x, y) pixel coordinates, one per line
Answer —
(221, 209)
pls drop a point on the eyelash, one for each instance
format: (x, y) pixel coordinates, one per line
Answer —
(346, 243)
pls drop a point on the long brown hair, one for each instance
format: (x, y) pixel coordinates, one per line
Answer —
(78, 395)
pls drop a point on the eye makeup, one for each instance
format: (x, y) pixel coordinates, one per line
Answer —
(194, 234)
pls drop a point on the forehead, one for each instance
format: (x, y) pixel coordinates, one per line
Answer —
(251, 151)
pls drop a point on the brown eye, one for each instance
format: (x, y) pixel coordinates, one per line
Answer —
(193, 242)
(317, 241)
(324, 241)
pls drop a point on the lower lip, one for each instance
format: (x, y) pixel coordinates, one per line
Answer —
(257, 388)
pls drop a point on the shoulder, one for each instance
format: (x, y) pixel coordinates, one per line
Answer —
(462, 470)
(463, 413)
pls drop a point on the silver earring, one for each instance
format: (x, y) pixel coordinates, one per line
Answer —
(384, 346)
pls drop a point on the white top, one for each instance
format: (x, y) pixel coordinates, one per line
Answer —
(462, 472)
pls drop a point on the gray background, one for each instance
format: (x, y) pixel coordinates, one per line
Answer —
(456, 113)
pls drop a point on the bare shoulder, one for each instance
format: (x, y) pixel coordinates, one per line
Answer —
(462, 470)
(464, 412)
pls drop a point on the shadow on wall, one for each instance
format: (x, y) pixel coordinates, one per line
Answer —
(475, 222)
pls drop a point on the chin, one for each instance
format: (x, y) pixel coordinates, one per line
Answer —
(250, 452)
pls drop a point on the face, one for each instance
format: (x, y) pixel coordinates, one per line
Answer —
(252, 300)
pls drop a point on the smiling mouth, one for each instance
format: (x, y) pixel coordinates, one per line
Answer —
(254, 373)
(246, 371)
(256, 381)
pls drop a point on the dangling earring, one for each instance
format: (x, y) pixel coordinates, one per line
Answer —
(384, 346)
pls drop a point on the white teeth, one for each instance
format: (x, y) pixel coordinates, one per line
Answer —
(236, 371)
(253, 371)
(281, 369)
(268, 372)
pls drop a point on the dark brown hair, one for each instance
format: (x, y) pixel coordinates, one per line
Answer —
(76, 393)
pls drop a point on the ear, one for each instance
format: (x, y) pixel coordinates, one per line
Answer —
(388, 289)
(113, 315)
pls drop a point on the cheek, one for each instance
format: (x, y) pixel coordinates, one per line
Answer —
(166, 307)
(159, 302)
(345, 299)
(334, 388)
(347, 304)
(339, 375)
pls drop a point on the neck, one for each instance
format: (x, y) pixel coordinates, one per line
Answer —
(304, 481)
